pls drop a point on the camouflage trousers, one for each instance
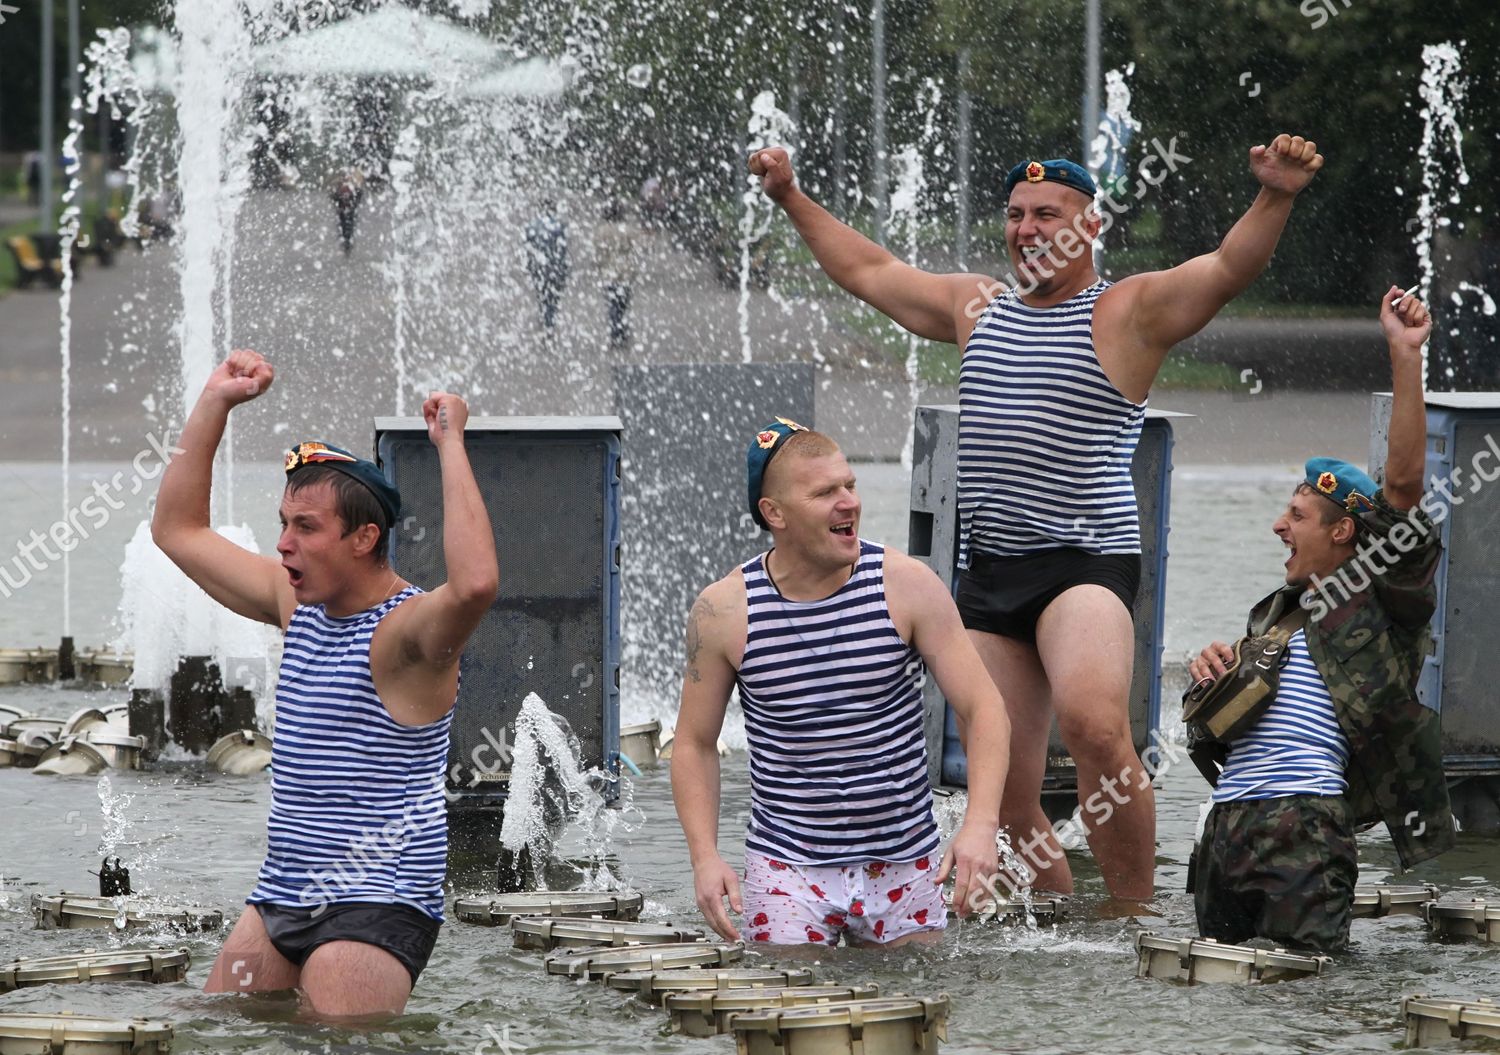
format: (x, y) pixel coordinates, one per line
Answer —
(1282, 869)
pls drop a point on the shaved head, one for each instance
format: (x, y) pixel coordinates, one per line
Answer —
(799, 445)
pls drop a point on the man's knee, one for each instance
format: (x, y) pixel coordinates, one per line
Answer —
(1097, 736)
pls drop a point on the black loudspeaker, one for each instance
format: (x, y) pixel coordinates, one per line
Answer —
(551, 487)
(934, 539)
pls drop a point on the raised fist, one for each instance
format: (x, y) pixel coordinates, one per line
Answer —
(1405, 319)
(1287, 165)
(240, 378)
(774, 167)
(446, 415)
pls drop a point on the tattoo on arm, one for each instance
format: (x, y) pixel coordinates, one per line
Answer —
(701, 609)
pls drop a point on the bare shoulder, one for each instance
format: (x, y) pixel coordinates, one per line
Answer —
(971, 294)
(908, 576)
(721, 605)
(716, 629)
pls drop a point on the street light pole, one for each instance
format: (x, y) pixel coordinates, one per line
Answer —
(49, 76)
(877, 103)
(1090, 79)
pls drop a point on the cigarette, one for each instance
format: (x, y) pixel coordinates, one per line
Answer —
(1405, 293)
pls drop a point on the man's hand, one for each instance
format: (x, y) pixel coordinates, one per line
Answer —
(1211, 662)
(1287, 165)
(970, 856)
(240, 378)
(774, 167)
(1406, 321)
(446, 415)
(713, 881)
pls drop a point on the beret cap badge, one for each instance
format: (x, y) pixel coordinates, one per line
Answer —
(1327, 483)
(1035, 172)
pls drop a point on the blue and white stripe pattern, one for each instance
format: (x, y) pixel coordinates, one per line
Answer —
(357, 805)
(1297, 746)
(833, 716)
(1045, 439)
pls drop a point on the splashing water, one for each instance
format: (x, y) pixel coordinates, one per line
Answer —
(164, 615)
(1442, 91)
(1486, 300)
(769, 127)
(548, 793)
(68, 230)
(905, 224)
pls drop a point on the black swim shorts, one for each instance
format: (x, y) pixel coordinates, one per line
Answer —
(1007, 595)
(404, 932)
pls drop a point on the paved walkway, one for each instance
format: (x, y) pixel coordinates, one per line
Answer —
(461, 314)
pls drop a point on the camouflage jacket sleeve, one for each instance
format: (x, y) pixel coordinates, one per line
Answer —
(1367, 633)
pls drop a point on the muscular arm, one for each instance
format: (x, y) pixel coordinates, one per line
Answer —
(1406, 330)
(714, 624)
(246, 583)
(928, 305)
(1155, 310)
(431, 633)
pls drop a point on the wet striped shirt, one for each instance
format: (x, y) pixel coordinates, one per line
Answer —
(357, 806)
(833, 715)
(1045, 439)
(1297, 746)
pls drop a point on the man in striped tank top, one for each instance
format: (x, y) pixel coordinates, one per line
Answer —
(1343, 742)
(350, 895)
(1054, 378)
(826, 638)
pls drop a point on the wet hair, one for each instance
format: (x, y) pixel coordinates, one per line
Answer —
(355, 504)
(803, 444)
(1329, 511)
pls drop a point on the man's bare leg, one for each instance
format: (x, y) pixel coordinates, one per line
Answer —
(1017, 672)
(248, 962)
(1086, 642)
(350, 979)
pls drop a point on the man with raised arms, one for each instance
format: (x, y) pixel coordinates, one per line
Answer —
(826, 638)
(350, 896)
(1053, 385)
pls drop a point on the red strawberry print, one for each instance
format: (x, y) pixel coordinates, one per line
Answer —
(874, 869)
(879, 927)
(760, 920)
(778, 892)
(920, 915)
(817, 891)
(813, 935)
(895, 894)
(763, 935)
(777, 866)
(835, 919)
(922, 864)
(857, 908)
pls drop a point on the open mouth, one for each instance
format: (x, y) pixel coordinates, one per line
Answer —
(845, 529)
(1290, 556)
(294, 576)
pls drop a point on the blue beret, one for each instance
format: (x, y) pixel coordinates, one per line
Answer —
(367, 473)
(758, 455)
(1058, 170)
(1338, 481)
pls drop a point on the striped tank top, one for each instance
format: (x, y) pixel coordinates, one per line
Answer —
(1297, 747)
(1045, 440)
(833, 716)
(357, 805)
